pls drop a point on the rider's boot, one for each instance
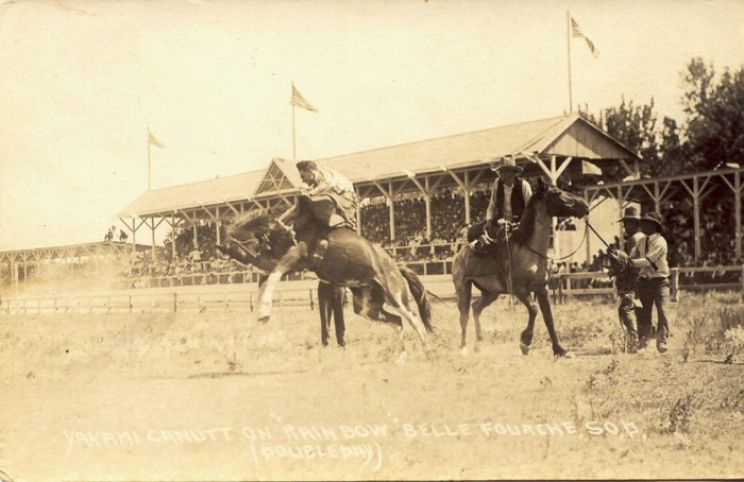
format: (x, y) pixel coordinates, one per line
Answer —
(320, 250)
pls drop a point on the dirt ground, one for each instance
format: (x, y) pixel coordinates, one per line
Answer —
(220, 397)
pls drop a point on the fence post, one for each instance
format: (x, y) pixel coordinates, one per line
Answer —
(175, 302)
(312, 303)
(251, 302)
(674, 288)
(741, 281)
(130, 303)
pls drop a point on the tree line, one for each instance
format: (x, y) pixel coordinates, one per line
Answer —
(710, 136)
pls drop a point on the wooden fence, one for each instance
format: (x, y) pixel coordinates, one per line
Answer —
(213, 299)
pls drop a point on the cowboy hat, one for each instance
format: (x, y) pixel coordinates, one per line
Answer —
(631, 214)
(507, 163)
(654, 218)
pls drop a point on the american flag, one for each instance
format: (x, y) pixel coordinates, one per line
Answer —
(577, 33)
(300, 101)
(152, 140)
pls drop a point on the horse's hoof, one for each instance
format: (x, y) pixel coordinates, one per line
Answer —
(562, 353)
(264, 319)
(525, 348)
(464, 351)
(401, 358)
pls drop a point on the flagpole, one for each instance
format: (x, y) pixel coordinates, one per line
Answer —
(149, 164)
(568, 43)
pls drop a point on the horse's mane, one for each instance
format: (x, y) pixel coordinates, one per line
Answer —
(527, 224)
(258, 217)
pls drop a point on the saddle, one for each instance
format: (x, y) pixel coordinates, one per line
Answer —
(496, 238)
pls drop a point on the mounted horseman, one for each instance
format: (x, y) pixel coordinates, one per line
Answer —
(510, 194)
(517, 266)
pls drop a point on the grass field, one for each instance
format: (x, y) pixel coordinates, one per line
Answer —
(221, 397)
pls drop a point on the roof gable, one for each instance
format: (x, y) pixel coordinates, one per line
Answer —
(279, 177)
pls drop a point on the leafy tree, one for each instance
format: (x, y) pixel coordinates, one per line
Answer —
(715, 115)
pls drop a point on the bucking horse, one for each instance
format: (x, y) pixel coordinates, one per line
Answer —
(518, 266)
(379, 286)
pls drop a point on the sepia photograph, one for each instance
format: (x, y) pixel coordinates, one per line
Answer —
(248, 240)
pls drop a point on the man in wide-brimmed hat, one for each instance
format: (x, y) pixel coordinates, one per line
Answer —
(509, 196)
(650, 256)
(626, 279)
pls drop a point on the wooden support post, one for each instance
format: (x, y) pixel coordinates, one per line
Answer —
(427, 200)
(737, 214)
(391, 211)
(620, 207)
(466, 194)
(674, 284)
(588, 234)
(696, 211)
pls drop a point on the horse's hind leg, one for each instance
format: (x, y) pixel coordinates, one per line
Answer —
(368, 302)
(486, 298)
(525, 340)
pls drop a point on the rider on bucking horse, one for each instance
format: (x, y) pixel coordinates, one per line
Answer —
(328, 188)
(509, 196)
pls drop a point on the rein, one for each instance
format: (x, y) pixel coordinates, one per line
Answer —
(583, 238)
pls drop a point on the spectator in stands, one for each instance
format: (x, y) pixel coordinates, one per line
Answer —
(109, 235)
(122, 235)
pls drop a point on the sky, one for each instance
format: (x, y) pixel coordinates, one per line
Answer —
(81, 81)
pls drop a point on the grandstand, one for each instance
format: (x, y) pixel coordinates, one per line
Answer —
(425, 190)
(417, 197)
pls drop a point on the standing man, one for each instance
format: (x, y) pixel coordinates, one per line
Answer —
(625, 282)
(650, 256)
(509, 196)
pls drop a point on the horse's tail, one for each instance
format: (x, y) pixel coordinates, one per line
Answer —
(419, 294)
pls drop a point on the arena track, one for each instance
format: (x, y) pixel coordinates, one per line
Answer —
(217, 396)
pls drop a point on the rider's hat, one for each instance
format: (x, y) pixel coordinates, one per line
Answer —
(631, 214)
(507, 164)
(654, 218)
(306, 165)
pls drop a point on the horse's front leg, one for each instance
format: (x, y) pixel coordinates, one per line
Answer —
(547, 313)
(286, 264)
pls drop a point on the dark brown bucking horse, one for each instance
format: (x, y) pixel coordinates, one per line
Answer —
(519, 268)
(379, 286)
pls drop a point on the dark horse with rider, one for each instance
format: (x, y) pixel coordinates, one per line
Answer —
(324, 241)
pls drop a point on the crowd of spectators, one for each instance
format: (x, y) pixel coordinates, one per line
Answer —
(448, 231)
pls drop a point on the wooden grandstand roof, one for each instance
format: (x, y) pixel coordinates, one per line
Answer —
(568, 135)
(483, 146)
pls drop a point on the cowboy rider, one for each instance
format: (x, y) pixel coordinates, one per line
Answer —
(324, 183)
(509, 196)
